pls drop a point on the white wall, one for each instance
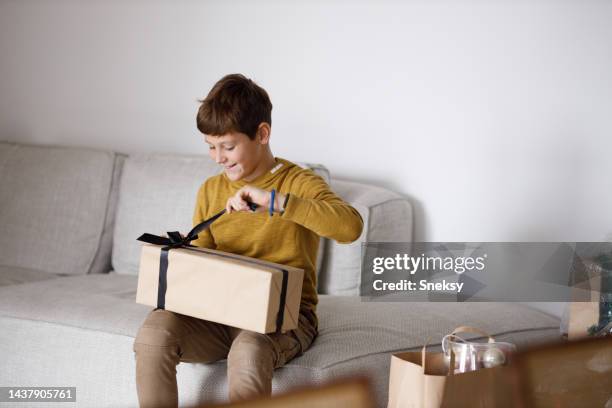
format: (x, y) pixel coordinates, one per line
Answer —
(493, 117)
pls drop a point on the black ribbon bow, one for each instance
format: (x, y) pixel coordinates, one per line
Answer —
(175, 239)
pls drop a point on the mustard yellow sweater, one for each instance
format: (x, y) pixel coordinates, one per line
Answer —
(292, 238)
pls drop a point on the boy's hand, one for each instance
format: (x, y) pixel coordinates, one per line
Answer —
(238, 202)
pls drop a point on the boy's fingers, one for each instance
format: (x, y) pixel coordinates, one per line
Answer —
(234, 205)
(237, 203)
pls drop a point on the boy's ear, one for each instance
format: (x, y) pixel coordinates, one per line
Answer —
(263, 133)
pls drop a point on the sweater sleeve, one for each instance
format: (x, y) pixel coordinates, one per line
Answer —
(205, 238)
(315, 206)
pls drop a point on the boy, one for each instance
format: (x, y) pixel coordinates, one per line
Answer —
(235, 119)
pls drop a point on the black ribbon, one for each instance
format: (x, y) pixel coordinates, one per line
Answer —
(176, 240)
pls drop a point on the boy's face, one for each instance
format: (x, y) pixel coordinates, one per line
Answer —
(238, 154)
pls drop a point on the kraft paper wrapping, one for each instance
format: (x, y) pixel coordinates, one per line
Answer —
(221, 287)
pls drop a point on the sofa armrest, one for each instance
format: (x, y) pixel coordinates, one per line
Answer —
(387, 217)
(389, 214)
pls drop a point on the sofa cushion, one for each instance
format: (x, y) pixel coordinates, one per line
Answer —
(13, 275)
(79, 314)
(387, 217)
(53, 203)
(348, 328)
(108, 360)
(158, 194)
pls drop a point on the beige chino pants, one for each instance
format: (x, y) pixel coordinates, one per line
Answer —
(167, 338)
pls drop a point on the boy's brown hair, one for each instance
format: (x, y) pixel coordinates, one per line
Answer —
(234, 104)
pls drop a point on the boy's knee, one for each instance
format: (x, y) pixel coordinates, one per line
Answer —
(154, 337)
(160, 329)
(251, 347)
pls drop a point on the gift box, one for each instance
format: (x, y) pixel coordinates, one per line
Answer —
(584, 308)
(222, 287)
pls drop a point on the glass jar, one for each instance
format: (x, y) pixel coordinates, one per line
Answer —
(471, 356)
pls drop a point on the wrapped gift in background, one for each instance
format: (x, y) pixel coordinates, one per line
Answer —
(226, 288)
(584, 311)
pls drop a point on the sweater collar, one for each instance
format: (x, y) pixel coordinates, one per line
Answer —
(266, 179)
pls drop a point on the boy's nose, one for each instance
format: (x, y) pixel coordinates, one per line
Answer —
(220, 158)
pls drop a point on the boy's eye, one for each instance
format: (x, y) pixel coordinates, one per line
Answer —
(211, 147)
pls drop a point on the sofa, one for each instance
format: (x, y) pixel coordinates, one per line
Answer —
(69, 257)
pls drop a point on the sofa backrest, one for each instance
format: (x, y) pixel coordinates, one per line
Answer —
(157, 193)
(63, 209)
(53, 207)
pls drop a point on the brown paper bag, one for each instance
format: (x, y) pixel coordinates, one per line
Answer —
(417, 379)
(221, 287)
(423, 380)
(494, 387)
